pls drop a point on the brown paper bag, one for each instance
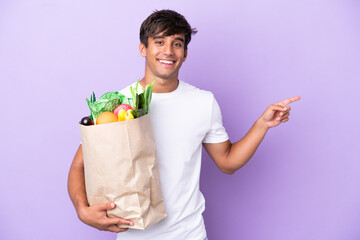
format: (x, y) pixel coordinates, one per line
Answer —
(121, 166)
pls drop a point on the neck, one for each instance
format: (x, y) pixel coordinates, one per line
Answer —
(161, 85)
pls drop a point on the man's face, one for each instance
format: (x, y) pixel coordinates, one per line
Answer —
(164, 55)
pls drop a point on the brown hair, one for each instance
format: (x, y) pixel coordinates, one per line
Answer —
(167, 21)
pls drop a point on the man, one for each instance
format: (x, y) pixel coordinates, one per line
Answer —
(179, 139)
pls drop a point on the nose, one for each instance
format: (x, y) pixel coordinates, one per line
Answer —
(168, 50)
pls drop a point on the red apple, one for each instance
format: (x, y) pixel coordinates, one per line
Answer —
(122, 106)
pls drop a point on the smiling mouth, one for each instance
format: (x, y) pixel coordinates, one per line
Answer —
(168, 62)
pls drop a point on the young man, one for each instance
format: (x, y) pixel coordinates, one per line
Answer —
(179, 138)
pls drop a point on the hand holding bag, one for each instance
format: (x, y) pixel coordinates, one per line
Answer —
(121, 166)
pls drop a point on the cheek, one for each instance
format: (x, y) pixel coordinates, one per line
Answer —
(183, 59)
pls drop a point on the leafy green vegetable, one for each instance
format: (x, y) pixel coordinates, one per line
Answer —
(92, 100)
(135, 95)
(141, 101)
(96, 107)
(111, 105)
(113, 95)
(92, 97)
(139, 113)
(130, 102)
(109, 101)
(147, 96)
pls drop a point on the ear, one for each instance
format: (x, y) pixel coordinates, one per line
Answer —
(142, 49)
(185, 55)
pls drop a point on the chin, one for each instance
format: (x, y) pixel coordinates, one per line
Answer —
(165, 76)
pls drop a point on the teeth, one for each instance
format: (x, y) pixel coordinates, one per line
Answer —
(167, 62)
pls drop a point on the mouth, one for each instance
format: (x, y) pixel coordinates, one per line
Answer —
(166, 62)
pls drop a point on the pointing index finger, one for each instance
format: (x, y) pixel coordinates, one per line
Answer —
(288, 101)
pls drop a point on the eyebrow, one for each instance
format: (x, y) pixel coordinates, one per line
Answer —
(162, 36)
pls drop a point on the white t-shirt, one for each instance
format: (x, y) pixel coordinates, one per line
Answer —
(182, 120)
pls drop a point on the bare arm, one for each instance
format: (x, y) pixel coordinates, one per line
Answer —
(94, 216)
(76, 182)
(230, 157)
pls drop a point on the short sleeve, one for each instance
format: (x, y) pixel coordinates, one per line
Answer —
(217, 132)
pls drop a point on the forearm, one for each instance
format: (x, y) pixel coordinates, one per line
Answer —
(76, 182)
(76, 188)
(242, 151)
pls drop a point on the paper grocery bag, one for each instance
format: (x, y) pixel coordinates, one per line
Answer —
(121, 166)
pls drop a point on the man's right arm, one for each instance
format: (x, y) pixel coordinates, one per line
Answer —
(95, 215)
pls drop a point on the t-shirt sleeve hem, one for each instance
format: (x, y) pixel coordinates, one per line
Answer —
(216, 140)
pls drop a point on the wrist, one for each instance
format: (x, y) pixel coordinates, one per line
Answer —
(81, 210)
(261, 125)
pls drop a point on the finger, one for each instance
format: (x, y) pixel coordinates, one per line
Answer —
(285, 120)
(275, 107)
(112, 221)
(107, 206)
(288, 108)
(126, 221)
(114, 228)
(288, 101)
(124, 229)
(284, 115)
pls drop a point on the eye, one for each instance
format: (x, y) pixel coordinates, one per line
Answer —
(158, 42)
(178, 44)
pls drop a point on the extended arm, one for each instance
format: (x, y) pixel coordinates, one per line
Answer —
(230, 157)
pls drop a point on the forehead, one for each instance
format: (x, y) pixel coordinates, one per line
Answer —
(178, 36)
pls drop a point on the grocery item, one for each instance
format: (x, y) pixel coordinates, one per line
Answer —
(122, 106)
(86, 121)
(106, 117)
(121, 115)
(120, 163)
(129, 115)
(114, 102)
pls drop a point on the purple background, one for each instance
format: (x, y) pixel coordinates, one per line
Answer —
(302, 183)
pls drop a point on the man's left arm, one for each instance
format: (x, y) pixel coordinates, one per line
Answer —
(230, 157)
